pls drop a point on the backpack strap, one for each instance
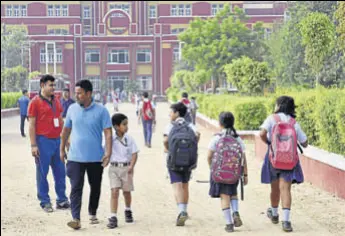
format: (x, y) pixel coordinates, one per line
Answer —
(292, 121)
(276, 118)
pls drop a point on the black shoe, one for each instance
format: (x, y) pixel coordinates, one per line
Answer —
(63, 205)
(48, 208)
(112, 222)
(287, 226)
(23, 135)
(129, 217)
(229, 228)
(237, 219)
(181, 219)
(274, 219)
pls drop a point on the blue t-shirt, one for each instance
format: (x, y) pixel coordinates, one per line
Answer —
(23, 102)
(87, 125)
(65, 105)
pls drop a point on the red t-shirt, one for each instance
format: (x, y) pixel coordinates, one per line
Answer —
(45, 113)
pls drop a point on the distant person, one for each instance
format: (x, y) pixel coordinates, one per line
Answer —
(45, 125)
(147, 113)
(193, 109)
(187, 103)
(66, 101)
(23, 103)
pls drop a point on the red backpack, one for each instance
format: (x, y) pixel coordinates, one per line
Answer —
(227, 161)
(283, 150)
(147, 110)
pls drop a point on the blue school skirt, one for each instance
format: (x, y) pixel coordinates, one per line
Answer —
(270, 174)
(216, 189)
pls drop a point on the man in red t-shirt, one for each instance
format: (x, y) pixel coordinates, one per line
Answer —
(45, 126)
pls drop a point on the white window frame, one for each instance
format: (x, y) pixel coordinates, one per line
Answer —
(86, 12)
(153, 11)
(117, 53)
(57, 10)
(42, 55)
(90, 52)
(147, 79)
(173, 10)
(23, 9)
(96, 82)
(16, 10)
(59, 57)
(87, 29)
(51, 56)
(215, 8)
(188, 10)
(64, 8)
(50, 10)
(180, 9)
(120, 78)
(147, 53)
(9, 10)
(176, 53)
(124, 7)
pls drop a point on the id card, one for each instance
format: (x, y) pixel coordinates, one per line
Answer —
(56, 122)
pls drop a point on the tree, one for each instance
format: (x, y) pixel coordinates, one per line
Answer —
(34, 74)
(318, 37)
(131, 86)
(325, 7)
(12, 42)
(340, 16)
(248, 76)
(211, 44)
(14, 79)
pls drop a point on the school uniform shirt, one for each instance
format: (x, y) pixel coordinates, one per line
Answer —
(123, 149)
(178, 120)
(270, 122)
(213, 143)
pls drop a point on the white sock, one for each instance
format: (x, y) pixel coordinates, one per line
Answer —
(227, 216)
(181, 207)
(286, 214)
(185, 207)
(234, 205)
(128, 209)
(113, 215)
(275, 211)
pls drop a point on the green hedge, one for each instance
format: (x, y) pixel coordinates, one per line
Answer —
(320, 112)
(9, 100)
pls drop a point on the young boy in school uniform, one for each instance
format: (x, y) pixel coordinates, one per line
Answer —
(122, 161)
(179, 180)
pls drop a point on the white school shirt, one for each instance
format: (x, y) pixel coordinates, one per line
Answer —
(169, 127)
(270, 122)
(123, 149)
(213, 143)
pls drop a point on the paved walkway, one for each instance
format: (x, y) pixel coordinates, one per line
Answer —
(314, 212)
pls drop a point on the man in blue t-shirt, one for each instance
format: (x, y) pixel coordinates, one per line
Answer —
(86, 120)
(23, 103)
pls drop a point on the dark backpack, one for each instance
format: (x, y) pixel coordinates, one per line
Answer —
(183, 148)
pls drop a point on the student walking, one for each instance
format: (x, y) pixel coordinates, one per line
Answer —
(147, 113)
(281, 166)
(122, 162)
(181, 143)
(193, 109)
(45, 125)
(227, 155)
(187, 103)
(85, 122)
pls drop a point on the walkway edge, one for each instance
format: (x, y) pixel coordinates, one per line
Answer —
(9, 112)
(321, 168)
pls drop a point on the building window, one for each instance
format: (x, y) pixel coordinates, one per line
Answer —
(16, 11)
(87, 29)
(145, 82)
(92, 55)
(124, 7)
(188, 10)
(176, 53)
(9, 10)
(153, 12)
(50, 10)
(180, 9)
(144, 55)
(64, 10)
(58, 32)
(177, 31)
(216, 8)
(96, 82)
(116, 82)
(50, 55)
(173, 10)
(287, 16)
(24, 10)
(57, 10)
(86, 12)
(116, 56)
(268, 33)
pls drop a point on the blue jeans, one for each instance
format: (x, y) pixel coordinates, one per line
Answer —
(147, 125)
(49, 150)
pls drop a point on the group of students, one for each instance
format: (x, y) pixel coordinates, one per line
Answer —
(86, 121)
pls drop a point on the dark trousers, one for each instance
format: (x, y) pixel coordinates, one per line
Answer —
(76, 172)
(22, 124)
(147, 126)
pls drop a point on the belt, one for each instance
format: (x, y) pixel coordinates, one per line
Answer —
(120, 164)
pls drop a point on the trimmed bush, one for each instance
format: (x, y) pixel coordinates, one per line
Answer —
(9, 100)
(249, 115)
